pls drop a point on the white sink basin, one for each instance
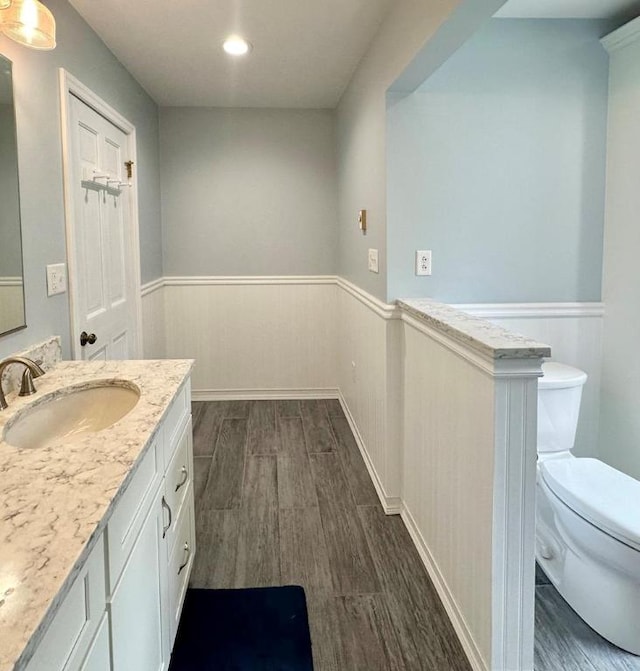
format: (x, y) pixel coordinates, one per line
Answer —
(70, 415)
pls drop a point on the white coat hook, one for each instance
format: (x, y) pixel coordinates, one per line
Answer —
(97, 175)
(91, 177)
(116, 184)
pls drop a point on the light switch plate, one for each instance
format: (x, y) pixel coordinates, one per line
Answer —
(56, 279)
(373, 260)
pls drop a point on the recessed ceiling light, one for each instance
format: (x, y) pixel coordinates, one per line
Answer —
(236, 46)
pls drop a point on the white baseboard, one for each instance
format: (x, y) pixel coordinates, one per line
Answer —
(262, 394)
(453, 611)
(392, 505)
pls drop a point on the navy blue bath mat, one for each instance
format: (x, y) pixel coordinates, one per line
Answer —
(262, 629)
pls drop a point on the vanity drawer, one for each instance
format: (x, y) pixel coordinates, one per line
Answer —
(180, 563)
(76, 620)
(131, 510)
(178, 480)
(180, 408)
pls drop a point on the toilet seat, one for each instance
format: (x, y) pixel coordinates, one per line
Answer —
(605, 497)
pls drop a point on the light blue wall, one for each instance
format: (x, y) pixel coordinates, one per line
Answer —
(414, 39)
(248, 191)
(35, 76)
(497, 165)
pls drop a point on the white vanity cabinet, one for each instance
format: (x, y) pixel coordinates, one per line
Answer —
(143, 581)
(122, 611)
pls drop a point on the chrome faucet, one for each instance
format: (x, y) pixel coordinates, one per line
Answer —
(27, 388)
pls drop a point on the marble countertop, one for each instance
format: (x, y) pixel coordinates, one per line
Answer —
(487, 339)
(56, 500)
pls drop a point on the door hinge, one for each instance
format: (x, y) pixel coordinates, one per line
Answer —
(129, 166)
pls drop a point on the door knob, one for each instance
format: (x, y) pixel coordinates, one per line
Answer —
(87, 338)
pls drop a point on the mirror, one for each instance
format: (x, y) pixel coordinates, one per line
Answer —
(11, 280)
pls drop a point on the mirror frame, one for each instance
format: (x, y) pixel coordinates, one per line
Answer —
(6, 62)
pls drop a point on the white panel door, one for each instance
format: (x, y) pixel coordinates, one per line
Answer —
(101, 241)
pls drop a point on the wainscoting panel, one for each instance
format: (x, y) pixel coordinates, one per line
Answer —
(367, 336)
(153, 321)
(448, 467)
(257, 337)
(574, 332)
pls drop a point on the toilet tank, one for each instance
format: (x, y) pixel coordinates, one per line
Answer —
(559, 395)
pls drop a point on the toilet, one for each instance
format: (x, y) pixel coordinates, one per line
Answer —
(587, 518)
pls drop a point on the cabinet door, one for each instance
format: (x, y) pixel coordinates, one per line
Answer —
(77, 619)
(136, 604)
(98, 657)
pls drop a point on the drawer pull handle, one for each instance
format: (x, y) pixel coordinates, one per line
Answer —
(166, 505)
(185, 477)
(187, 549)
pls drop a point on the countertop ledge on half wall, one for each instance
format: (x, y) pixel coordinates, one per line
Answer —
(485, 338)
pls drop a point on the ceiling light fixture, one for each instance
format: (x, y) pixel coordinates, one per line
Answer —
(236, 46)
(29, 23)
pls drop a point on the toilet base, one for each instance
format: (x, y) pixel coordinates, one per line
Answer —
(606, 601)
(598, 576)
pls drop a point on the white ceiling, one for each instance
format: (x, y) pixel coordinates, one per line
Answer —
(567, 9)
(304, 52)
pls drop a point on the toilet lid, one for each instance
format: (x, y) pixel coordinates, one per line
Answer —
(602, 495)
(560, 376)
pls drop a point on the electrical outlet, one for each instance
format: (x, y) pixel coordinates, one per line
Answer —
(373, 260)
(56, 279)
(423, 262)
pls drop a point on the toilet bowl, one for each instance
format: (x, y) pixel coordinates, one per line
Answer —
(587, 518)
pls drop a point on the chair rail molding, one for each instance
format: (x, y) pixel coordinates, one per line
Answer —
(382, 309)
(532, 310)
(152, 286)
(240, 280)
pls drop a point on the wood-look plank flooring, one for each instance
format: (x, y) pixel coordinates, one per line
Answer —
(564, 641)
(283, 497)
